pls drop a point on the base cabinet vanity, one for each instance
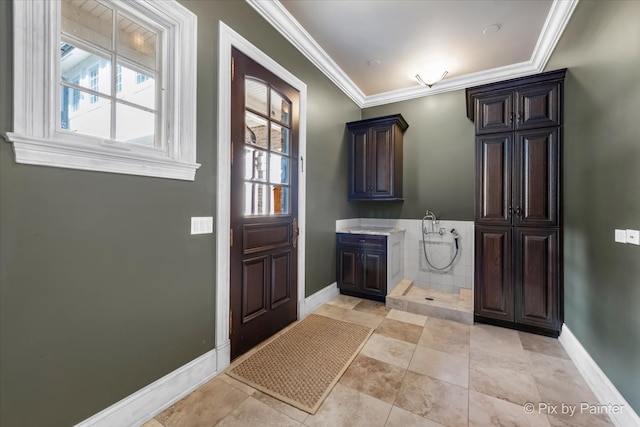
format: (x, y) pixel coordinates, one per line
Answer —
(368, 264)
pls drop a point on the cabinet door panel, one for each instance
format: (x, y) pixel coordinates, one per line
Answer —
(494, 286)
(538, 106)
(359, 164)
(348, 268)
(382, 159)
(374, 272)
(493, 179)
(494, 113)
(536, 277)
(537, 178)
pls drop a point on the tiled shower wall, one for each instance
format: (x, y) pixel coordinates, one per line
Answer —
(440, 249)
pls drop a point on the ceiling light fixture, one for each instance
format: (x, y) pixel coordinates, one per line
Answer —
(430, 78)
(491, 29)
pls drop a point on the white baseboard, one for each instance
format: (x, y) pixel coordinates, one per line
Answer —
(136, 409)
(600, 384)
(316, 300)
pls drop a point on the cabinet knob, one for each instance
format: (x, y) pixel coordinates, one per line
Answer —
(511, 117)
(510, 211)
(519, 116)
(518, 211)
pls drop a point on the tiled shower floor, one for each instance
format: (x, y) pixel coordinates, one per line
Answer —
(430, 302)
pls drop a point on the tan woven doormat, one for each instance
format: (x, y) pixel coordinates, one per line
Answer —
(301, 366)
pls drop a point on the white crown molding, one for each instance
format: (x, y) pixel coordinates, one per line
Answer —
(290, 28)
(557, 20)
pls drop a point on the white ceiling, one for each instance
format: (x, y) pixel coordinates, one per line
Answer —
(408, 36)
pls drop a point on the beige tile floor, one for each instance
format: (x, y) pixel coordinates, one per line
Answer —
(414, 371)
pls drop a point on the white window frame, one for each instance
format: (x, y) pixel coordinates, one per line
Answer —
(36, 138)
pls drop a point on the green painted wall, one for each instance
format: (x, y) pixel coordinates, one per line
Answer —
(601, 48)
(102, 289)
(438, 160)
(601, 178)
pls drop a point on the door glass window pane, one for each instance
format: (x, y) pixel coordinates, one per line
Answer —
(89, 119)
(137, 87)
(278, 169)
(135, 125)
(256, 96)
(255, 167)
(280, 108)
(256, 130)
(279, 200)
(256, 198)
(88, 20)
(136, 43)
(279, 138)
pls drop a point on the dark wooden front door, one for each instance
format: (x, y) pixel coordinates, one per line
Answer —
(264, 204)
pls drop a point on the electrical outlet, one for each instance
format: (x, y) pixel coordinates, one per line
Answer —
(621, 236)
(633, 237)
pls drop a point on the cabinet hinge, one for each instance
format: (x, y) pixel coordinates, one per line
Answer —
(231, 237)
(230, 322)
(231, 153)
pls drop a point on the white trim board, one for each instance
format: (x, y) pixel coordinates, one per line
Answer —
(146, 403)
(600, 384)
(309, 304)
(277, 15)
(228, 38)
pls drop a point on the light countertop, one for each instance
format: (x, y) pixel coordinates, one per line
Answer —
(381, 231)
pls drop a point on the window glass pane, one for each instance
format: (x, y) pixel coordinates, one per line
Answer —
(255, 167)
(256, 130)
(278, 169)
(136, 43)
(256, 96)
(138, 88)
(85, 69)
(280, 107)
(89, 21)
(256, 199)
(79, 114)
(279, 138)
(135, 125)
(279, 200)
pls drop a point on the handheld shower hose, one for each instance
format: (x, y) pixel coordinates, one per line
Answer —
(456, 236)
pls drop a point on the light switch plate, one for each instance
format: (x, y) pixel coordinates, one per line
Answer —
(201, 225)
(621, 236)
(633, 237)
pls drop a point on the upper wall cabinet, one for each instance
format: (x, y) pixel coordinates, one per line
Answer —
(534, 105)
(375, 158)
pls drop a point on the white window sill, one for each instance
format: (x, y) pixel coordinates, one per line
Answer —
(57, 153)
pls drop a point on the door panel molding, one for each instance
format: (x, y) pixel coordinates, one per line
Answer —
(254, 299)
(228, 38)
(257, 237)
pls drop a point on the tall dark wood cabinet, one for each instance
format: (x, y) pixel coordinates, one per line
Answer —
(375, 158)
(518, 224)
